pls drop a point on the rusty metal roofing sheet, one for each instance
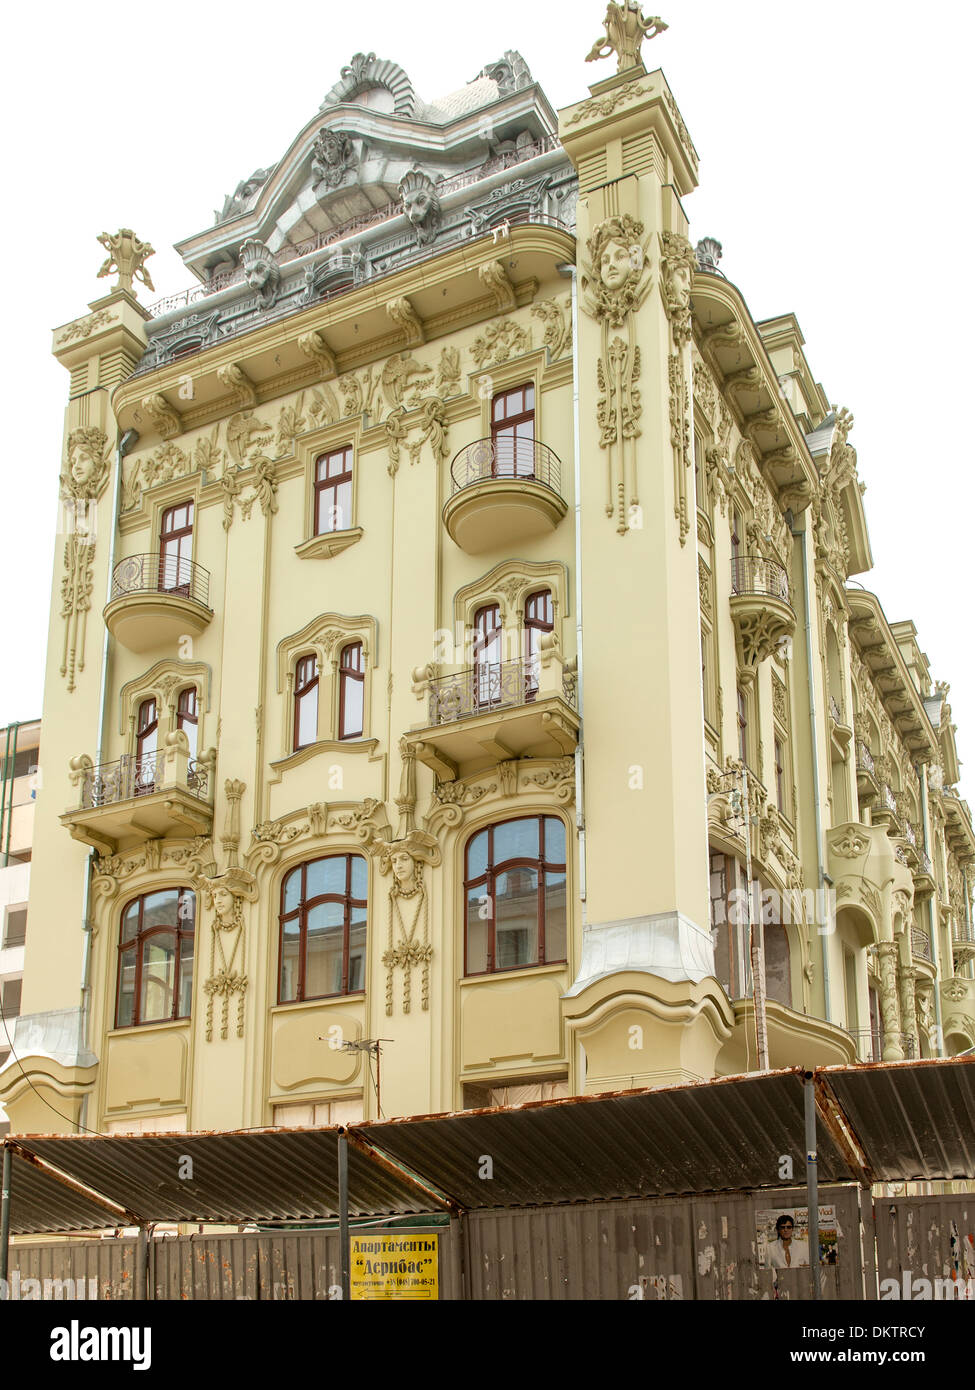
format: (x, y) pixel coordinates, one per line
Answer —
(264, 1175)
(715, 1136)
(913, 1120)
(40, 1203)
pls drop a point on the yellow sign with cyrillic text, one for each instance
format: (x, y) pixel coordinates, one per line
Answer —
(385, 1266)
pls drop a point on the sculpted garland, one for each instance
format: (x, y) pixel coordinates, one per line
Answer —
(82, 484)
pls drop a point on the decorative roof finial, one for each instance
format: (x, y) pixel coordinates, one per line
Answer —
(126, 254)
(626, 28)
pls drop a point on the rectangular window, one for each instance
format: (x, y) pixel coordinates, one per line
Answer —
(15, 930)
(742, 726)
(176, 550)
(11, 1001)
(516, 1091)
(306, 702)
(333, 491)
(779, 775)
(352, 682)
(513, 433)
(187, 718)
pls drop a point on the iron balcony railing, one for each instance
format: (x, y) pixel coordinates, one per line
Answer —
(506, 458)
(926, 864)
(888, 798)
(910, 834)
(754, 574)
(161, 574)
(963, 933)
(836, 710)
(865, 762)
(870, 1044)
(131, 776)
(920, 943)
(487, 687)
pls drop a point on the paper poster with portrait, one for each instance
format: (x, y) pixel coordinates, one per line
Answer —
(782, 1237)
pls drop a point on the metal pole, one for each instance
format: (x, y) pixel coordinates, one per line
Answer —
(141, 1253)
(5, 1214)
(344, 1215)
(812, 1182)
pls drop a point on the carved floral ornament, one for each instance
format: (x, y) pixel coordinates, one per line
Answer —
(83, 481)
(615, 280)
(626, 28)
(225, 895)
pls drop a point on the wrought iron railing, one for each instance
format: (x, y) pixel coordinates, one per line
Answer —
(920, 943)
(506, 458)
(487, 687)
(963, 933)
(131, 776)
(754, 574)
(836, 710)
(161, 574)
(887, 796)
(870, 1044)
(926, 864)
(865, 762)
(910, 834)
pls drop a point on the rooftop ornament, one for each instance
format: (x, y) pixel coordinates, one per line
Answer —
(626, 27)
(126, 254)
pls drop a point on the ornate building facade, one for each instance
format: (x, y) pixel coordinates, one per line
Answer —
(455, 611)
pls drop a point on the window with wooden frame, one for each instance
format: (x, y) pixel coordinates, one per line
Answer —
(515, 895)
(352, 684)
(146, 745)
(539, 618)
(306, 702)
(323, 929)
(742, 726)
(488, 644)
(333, 491)
(155, 958)
(513, 433)
(187, 717)
(176, 550)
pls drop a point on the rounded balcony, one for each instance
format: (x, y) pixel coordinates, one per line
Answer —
(157, 599)
(502, 491)
(761, 608)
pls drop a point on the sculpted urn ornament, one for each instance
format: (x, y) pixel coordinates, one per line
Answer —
(626, 28)
(128, 255)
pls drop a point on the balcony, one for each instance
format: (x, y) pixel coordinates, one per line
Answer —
(924, 883)
(495, 712)
(761, 608)
(503, 491)
(157, 599)
(962, 943)
(126, 802)
(868, 785)
(840, 729)
(921, 944)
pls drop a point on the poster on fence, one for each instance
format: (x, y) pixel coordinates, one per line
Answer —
(386, 1265)
(782, 1237)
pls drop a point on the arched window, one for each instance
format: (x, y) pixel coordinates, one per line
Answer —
(146, 741)
(306, 702)
(352, 680)
(539, 618)
(155, 958)
(514, 889)
(187, 718)
(323, 929)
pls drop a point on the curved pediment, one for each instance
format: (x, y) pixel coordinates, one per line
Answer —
(367, 73)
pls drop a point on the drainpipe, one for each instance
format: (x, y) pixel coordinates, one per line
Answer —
(9, 758)
(811, 696)
(932, 916)
(568, 271)
(125, 443)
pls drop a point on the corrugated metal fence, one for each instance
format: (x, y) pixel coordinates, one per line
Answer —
(688, 1248)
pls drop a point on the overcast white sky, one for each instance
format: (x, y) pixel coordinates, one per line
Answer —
(835, 145)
